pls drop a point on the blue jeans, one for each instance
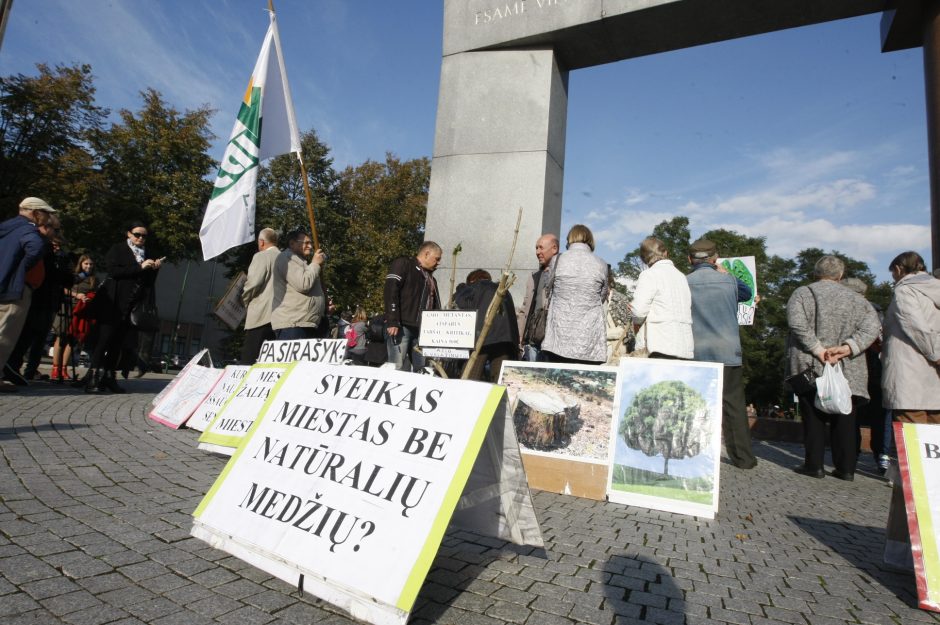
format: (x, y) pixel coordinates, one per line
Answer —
(292, 334)
(402, 346)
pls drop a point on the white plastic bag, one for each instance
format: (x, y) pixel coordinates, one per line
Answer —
(832, 391)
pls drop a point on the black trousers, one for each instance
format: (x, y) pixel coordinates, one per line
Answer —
(251, 345)
(735, 427)
(841, 436)
(109, 345)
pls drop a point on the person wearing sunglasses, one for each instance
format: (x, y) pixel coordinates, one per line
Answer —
(132, 272)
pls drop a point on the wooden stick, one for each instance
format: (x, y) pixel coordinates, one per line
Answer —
(453, 277)
(313, 222)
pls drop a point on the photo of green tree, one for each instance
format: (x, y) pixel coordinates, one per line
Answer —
(667, 437)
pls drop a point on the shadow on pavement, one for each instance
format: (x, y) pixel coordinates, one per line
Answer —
(13, 432)
(863, 548)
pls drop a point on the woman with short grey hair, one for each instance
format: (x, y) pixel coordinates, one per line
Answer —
(830, 324)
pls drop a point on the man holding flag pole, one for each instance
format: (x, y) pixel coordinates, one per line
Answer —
(229, 220)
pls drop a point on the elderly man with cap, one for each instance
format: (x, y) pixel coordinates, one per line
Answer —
(717, 338)
(21, 251)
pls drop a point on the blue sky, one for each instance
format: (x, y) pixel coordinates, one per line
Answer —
(809, 137)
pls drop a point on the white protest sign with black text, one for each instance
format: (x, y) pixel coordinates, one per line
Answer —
(448, 328)
(349, 478)
(205, 413)
(203, 357)
(236, 417)
(178, 404)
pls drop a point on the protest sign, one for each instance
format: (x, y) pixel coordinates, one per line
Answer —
(667, 437)
(308, 350)
(240, 410)
(448, 328)
(230, 308)
(562, 415)
(350, 476)
(744, 268)
(203, 357)
(223, 389)
(919, 459)
(178, 404)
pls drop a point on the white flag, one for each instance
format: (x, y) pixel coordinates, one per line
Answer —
(264, 127)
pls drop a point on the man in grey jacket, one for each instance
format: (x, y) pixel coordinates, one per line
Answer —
(298, 302)
(717, 338)
(257, 295)
(546, 248)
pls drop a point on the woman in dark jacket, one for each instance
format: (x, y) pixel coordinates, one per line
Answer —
(502, 340)
(132, 272)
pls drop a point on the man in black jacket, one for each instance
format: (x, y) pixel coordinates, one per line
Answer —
(410, 289)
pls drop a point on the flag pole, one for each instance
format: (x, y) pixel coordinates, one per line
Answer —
(303, 175)
(313, 223)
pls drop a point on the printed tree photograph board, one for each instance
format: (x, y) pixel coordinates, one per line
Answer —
(178, 404)
(562, 414)
(349, 479)
(223, 389)
(744, 268)
(240, 410)
(919, 459)
(666, 438)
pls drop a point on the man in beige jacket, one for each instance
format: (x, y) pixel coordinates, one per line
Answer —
(298, 302)
(257, 295)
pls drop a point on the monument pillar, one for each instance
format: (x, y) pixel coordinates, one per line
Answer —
(932, 92)
(499, 145)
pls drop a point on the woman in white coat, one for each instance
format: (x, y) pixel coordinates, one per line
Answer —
(576, 330)
(910, 356)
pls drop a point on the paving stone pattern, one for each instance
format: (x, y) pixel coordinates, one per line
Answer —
(95, 505)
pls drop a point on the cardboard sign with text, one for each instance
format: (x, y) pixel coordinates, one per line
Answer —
(308, 350)
(178, 404)
(448, 328)
(350, 476)
(919, 459)
(240, 410)
(230, 309)
(223, 389)
(202, 358)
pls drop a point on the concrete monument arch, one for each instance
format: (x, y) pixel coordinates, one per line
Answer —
(502, 109)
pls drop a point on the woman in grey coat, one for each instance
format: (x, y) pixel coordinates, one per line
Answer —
(830, 323)
(911, 351)
(576, 330)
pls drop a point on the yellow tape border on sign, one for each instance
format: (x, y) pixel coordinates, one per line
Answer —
(287, 368)
(227, 440)
(475, 443)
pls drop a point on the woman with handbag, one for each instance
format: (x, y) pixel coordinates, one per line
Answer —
(829, 324)
(132, 272)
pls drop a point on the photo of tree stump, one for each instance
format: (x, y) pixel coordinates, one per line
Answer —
(543, 419)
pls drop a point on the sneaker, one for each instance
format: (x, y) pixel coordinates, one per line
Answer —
(883, 461)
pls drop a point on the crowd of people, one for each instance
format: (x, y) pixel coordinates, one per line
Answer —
(45, 289)
(571, 313)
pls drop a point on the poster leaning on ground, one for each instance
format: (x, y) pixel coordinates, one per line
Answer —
(348, 479)
(223, 389)
(562, 415)
(178, 404)
(919, 459)
(666, 439)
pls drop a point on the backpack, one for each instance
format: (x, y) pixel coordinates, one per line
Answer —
(375, 329)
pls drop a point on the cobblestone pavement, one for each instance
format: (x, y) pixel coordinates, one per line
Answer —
(95, 505)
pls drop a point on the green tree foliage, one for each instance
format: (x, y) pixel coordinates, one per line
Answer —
(386, 204)
(675, 235)
(45, 125)
(667, 419)
(155, 163)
